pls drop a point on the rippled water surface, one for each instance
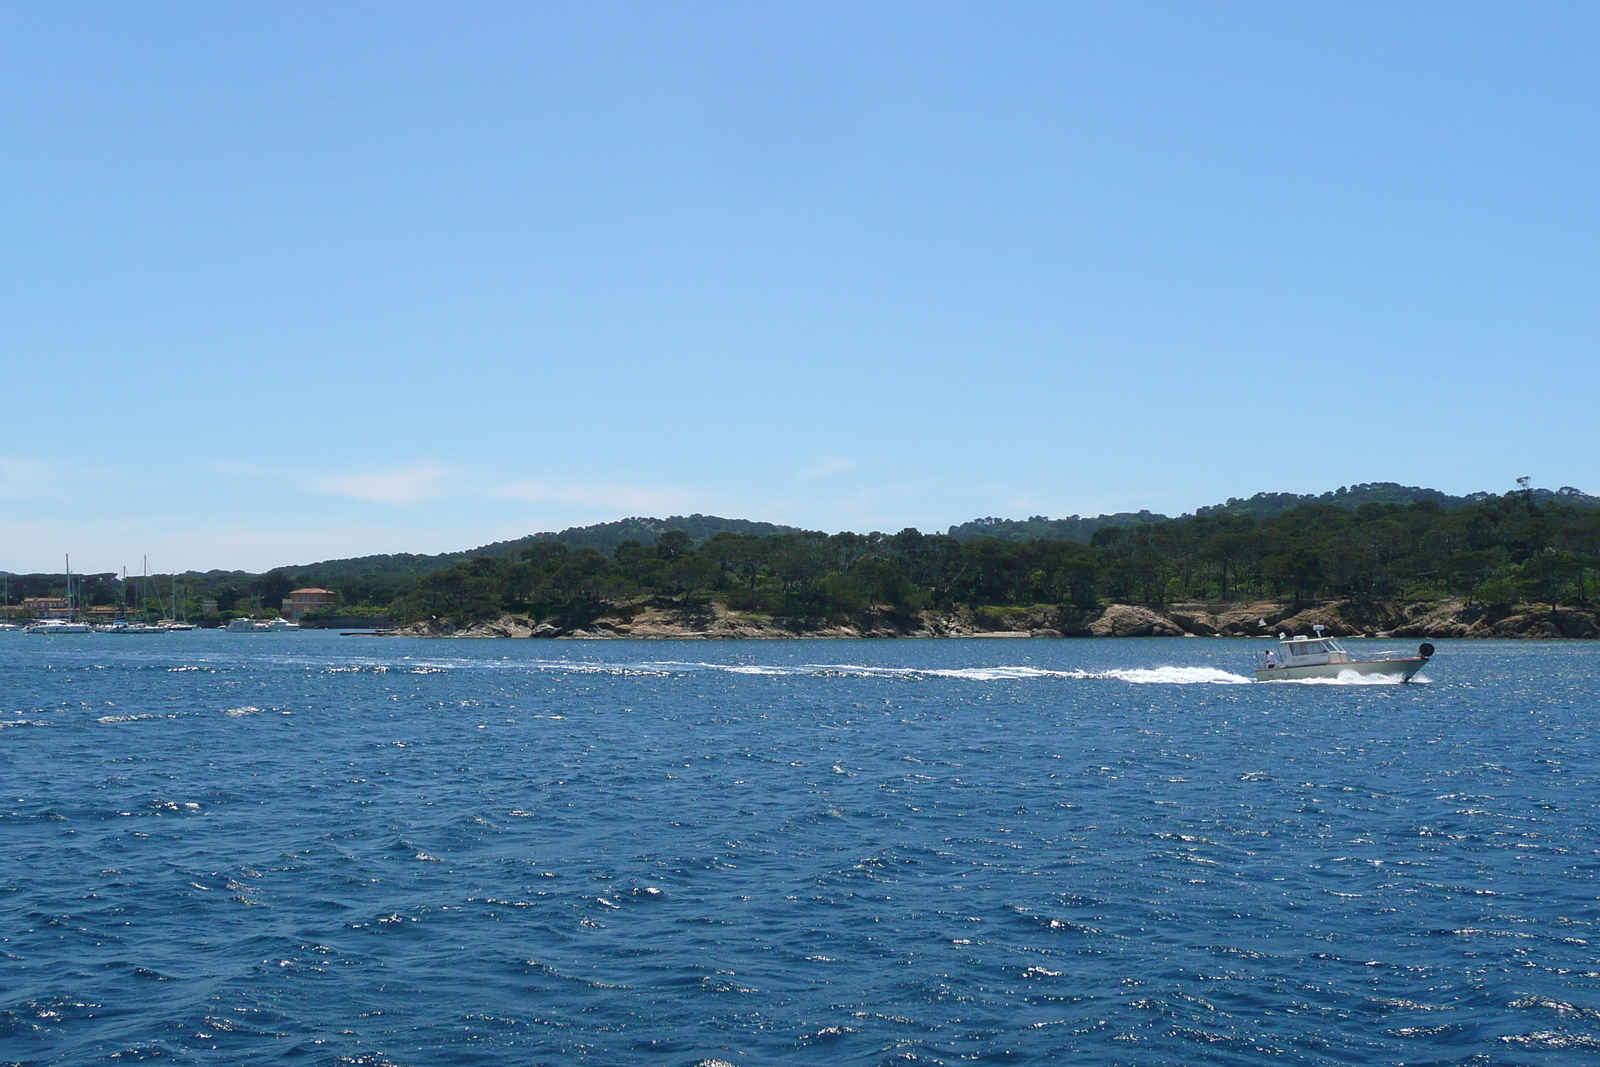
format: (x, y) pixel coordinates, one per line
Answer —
(302, 848)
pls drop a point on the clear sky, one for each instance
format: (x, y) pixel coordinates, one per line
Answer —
(290, 281)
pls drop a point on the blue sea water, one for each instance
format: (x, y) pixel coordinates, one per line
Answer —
(308, 849)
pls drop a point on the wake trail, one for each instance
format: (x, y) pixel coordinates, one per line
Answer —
(1137, 676)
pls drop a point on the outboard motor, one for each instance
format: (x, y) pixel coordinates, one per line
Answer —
(1425, 650)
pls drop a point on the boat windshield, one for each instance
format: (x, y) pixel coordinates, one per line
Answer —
(1334, 646)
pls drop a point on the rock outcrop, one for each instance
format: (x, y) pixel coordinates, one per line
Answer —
(1125, 620)
(1445, 621)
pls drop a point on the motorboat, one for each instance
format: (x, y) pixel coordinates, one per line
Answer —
(67, 625)
(1301, 658)
(247, 625)
(59, 626)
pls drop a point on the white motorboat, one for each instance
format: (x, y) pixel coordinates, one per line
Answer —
(247, 625)
(1301, 658)
(68, 625)
(59, 626)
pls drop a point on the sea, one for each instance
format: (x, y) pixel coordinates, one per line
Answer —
(314, 849)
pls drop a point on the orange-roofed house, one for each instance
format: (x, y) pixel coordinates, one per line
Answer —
(301, 601)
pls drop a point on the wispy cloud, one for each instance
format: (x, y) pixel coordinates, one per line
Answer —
(23, 479)
(26, 478)
(426, 480)
(397, 488)
(635, 499)
(827, 466)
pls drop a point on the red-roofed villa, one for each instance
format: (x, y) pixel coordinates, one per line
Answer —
(301, 601)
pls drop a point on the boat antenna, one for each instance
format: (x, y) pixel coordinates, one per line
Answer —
(1319, 628)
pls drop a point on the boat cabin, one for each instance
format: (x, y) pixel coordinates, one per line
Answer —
(1310, 651)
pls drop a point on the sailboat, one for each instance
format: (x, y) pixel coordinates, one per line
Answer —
(175, 622)
(123, 626)
(68, 625)
(6, 625)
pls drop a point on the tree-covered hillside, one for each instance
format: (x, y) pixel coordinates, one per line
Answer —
(1261, 506)
(1359, 542)
(1040, 528)
(365, 582)
(1496, 550)
(1266, 505)
(606, 536)
(603, 537)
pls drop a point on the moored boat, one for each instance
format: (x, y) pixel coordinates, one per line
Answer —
(59, 626)
(56, 625)
(1303, 658)
(248, 625)
(122, 626)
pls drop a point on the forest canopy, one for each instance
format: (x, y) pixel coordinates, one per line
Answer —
(1372, 542)
(1495, 550)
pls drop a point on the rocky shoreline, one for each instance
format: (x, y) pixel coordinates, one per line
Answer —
(1341, 618)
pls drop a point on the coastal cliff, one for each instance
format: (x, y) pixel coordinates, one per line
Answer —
(1340, 618)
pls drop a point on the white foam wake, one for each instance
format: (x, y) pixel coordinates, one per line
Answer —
(1163, 675)
(1352, 678)
(1172, 676)
(1002, 673)
(1135, 675)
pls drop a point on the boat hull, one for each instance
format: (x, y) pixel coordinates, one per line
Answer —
(1402, 669)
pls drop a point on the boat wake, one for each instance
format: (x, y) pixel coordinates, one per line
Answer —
(1166, 675)
(1136, 676)
(1352, 678)
(1173, 676)
(1161, 675)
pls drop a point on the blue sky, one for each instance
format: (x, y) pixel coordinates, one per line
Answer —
(285, 282)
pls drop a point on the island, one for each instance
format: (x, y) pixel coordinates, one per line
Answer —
(1375, 559)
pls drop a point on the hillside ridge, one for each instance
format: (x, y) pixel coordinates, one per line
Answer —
(1260, 506)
